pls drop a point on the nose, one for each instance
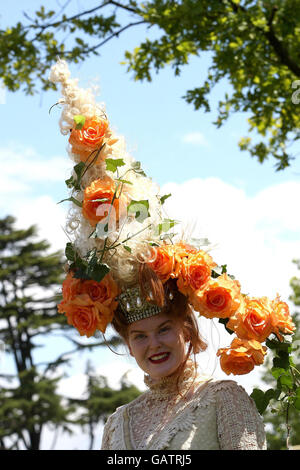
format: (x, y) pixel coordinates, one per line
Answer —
(154, 342)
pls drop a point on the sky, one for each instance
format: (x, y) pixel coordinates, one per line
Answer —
(248, 211)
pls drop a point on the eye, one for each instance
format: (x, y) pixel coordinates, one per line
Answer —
(164, 329)
(139, 336)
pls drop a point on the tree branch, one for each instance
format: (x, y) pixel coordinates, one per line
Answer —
(116, 34)
(55, 24)
(279, 49)
(124, 7)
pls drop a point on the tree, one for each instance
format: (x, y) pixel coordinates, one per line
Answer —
(282, 420)
(31, 401)
(253, 44)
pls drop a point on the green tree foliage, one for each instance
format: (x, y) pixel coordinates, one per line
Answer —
(253, 45)
(27, 272)
(282, 418)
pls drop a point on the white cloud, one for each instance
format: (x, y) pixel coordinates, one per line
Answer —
(24, 165)
(257, 237)
(195, 138)
(46, 214)
(22, 173)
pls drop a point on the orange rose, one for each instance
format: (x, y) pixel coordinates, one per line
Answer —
(181, 251)
(70, 286)
(89, 305)
(103, 292)
(195, 272)
(69, 290)
(87, 316)
(241, 357)
(163, 262)
(219, 299)
(88, 139)
(100, 194)
(281, 319)
(253, 320)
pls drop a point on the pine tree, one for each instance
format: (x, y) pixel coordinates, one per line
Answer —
(28, 277)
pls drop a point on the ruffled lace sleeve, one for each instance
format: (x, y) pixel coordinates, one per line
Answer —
(106, 434)
(240, 427)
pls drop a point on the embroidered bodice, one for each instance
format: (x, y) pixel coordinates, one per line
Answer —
(196, 413)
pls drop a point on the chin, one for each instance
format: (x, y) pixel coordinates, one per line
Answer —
(159, 372)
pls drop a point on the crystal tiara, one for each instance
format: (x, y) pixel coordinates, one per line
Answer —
(135, 307)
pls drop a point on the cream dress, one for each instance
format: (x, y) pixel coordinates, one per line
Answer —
(208, 414)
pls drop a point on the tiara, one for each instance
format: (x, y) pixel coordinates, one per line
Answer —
(135, 307)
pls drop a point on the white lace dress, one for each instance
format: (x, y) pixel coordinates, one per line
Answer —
(208, 414)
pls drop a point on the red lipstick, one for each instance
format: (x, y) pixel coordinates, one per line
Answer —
(159, 358)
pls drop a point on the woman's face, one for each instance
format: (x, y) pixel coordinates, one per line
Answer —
(157, 343)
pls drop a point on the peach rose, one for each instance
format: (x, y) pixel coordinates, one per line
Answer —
(69, 290)
(253, 320)
(241, 357)
(88, 304)
(195, 272)
(219, 299)
(163, 262)
(281, 319)
(103, 292)
(99, 193)
(87, 316)
(181, 252)
(70, 286)
(88, 139)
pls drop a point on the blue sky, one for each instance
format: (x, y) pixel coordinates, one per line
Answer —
(246, 209)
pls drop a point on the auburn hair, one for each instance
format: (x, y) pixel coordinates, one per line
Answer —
(173, 304)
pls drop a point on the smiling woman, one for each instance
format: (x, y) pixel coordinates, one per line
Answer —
(125, 267)
(181, 409)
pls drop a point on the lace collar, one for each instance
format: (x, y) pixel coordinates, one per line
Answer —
(170, 387)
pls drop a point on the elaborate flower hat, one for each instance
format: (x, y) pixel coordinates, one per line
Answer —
(116, 223)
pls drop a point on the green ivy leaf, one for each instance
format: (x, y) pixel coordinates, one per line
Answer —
(123, 181)
(72, 199)
(282, 360)
(165, 225)
(113, 163)
(163, 198)
(283, 377)
(70, 252)
(79, 120)
(75, 183)
(136, 166)
(262, 399)
(219, 270)
(99, 271)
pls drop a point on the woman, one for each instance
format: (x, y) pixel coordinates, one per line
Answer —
(125, 267)
(181, 410)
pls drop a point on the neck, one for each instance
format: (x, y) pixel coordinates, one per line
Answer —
(179, 383)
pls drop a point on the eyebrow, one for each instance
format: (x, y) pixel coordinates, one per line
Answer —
(142, 331)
